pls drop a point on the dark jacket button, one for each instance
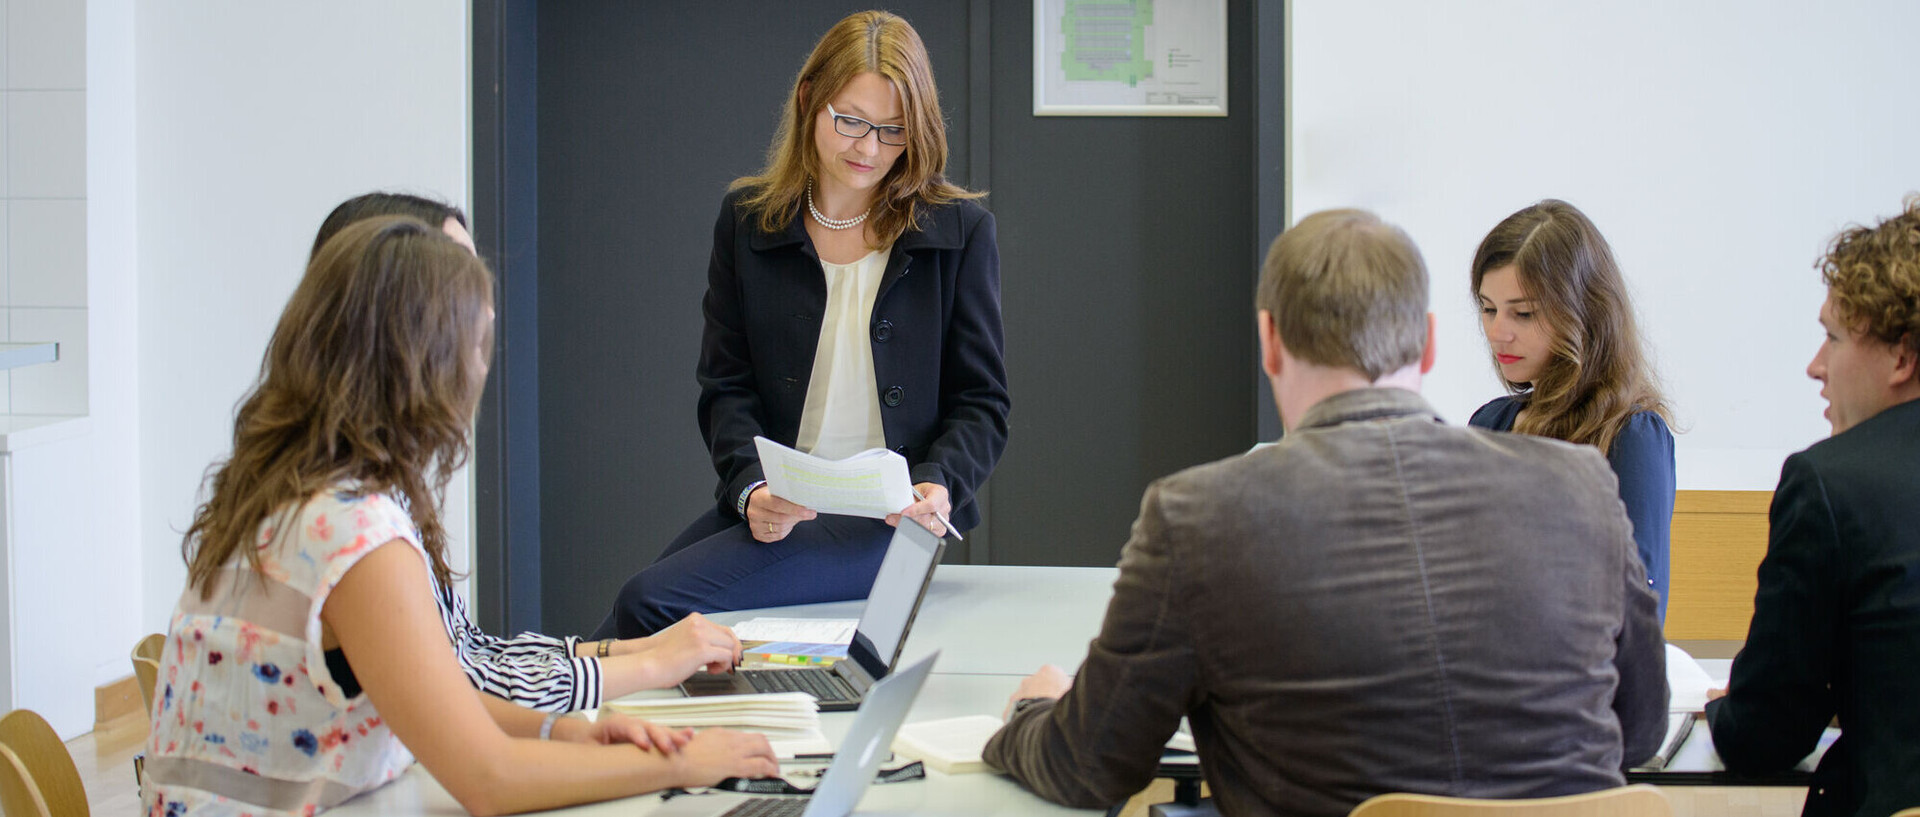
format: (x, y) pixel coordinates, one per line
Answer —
(893, 395)
(882, 331)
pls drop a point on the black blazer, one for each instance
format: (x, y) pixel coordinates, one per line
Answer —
(1836, 624)
(938, 350)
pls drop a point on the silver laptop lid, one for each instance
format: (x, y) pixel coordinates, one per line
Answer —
(899, 587)
(868, 741)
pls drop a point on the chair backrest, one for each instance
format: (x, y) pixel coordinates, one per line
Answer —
(49, 769)
(18, 796)
(1627, 801)
(146, 665)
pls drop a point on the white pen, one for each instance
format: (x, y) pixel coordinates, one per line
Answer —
(937, 515)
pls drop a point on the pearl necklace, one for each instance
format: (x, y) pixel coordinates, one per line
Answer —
(832, 223)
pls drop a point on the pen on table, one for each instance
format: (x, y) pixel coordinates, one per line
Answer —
(940, 516)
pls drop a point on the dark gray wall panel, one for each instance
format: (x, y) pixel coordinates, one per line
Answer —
(1126, 248)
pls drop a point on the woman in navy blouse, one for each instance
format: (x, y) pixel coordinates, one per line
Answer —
(1561, 330)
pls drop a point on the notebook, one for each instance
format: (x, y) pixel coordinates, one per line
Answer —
(853, 767)
(898, 589)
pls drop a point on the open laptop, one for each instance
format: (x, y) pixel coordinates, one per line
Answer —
(898, 589)
(854, 765)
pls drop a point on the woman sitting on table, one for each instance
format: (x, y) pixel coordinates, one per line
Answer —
(853, 302)
(306, 661)
(533, 670)
(1560, 326)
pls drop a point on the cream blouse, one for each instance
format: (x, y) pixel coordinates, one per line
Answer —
(842, 413)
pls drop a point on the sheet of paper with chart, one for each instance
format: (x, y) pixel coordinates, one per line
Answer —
(872, 483)
(1130, 58)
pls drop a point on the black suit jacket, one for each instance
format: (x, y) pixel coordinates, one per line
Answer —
(1836, 624)
(936, 335)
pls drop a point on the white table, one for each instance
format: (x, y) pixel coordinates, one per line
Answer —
(993, 626)
(991, 620)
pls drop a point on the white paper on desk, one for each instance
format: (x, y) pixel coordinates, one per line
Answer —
(955, 745)
(873, 483)
(810, 630)
(1687, 683)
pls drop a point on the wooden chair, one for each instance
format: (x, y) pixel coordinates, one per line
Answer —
(1627, 801)
(1908, 812)
(146, 665)
(37, 776)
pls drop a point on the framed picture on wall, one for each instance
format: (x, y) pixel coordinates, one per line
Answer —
(1129, 57)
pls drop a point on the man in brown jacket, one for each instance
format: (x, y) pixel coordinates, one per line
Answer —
(1379, 602)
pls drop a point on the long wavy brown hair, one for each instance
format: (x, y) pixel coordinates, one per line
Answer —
(371, 379)
(1596, 376)
(863, 42)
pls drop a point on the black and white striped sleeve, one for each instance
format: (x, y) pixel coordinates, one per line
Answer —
(533, 670)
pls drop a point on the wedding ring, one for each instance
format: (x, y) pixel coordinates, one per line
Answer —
(769, 528)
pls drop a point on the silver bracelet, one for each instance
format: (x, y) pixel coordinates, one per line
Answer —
(546, 726)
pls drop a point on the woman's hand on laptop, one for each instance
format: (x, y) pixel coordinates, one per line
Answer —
(692, 644)
(717, 754)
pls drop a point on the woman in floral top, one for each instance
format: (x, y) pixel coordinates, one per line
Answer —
(307, 661)
(534, 670)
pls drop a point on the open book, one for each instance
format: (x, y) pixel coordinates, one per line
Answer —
(1687, 685)
(790, 720)
(873, 483)
(955, 745)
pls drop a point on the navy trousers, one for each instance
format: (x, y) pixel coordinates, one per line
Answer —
(716, 565)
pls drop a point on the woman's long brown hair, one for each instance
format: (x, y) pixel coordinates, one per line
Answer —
(1596, 376)
(865, 42)
(370, 380)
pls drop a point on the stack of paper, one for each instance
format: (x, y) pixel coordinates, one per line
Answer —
(790, 720)
(818, 630)
(873, 483)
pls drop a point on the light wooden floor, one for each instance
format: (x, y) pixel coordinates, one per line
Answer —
(105, 759)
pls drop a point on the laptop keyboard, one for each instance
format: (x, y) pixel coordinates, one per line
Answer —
(823, 685)
(769, 807)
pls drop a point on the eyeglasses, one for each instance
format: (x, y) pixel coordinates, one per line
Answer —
(854, 127)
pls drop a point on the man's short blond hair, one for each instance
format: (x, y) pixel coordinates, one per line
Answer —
(1873, 277)
(1347, 290)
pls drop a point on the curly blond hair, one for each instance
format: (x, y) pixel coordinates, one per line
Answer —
(1873, 277)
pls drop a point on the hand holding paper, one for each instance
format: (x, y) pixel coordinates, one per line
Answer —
(770, 518)
(872, 483)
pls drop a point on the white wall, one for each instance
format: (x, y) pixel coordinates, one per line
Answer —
(253, 120)
(1718, 145)
(112, 495)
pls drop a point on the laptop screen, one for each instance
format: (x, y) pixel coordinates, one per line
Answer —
(904, 573)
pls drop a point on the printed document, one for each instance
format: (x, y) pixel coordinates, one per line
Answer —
(817, 630)
(873, 483)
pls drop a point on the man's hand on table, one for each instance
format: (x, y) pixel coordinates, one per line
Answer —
(1050, 683)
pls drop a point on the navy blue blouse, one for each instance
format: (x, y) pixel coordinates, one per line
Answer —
(1642, 458)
